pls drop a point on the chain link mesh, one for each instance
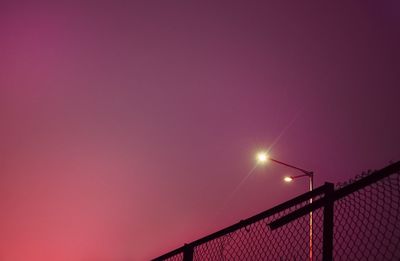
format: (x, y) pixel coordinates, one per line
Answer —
(366, 222)
(258, 242)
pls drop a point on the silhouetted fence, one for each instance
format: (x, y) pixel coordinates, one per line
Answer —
(358, 220)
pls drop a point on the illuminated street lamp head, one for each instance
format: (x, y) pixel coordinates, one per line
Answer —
(288, 179)
(262, 157)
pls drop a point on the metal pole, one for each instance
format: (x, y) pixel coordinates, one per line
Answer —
(311, 178)
(327, 248)
(310, 175)
(188, 253)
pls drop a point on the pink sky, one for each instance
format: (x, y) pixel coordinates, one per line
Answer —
(125, 127)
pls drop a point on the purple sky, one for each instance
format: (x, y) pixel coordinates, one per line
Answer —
(126, 127)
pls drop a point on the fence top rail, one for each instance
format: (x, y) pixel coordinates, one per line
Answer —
(368, 180)
(243, 223)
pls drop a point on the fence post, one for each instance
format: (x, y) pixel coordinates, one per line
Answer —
(188, 253)
(327, 250)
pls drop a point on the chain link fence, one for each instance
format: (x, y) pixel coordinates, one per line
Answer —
(367, 222)
(257, 242)
(359, 220)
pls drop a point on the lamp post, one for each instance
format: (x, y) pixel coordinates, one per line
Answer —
(263, 157)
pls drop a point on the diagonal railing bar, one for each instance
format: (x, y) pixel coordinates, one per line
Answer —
(368, 180)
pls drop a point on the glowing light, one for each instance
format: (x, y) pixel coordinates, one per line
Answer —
(262, 157)
(288, 179)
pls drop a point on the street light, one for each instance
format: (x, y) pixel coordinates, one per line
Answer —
(288, 179)
(263, 157)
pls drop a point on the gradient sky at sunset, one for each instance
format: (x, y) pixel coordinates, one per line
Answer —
(127, 125)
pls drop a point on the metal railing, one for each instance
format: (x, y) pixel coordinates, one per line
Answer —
(355, 221)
